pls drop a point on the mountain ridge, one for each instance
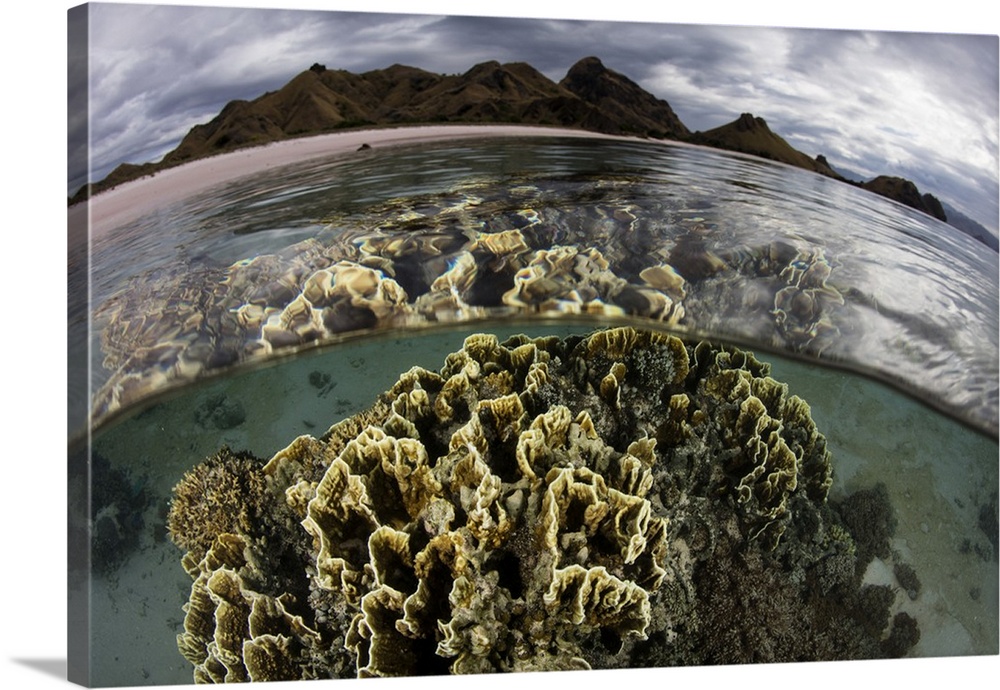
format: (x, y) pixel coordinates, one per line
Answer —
(590, 97)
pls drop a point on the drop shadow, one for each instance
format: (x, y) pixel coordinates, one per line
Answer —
(50, 667)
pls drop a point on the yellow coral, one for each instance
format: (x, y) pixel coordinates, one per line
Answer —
(521, 509)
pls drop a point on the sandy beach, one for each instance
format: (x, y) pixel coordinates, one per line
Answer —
(134, 199)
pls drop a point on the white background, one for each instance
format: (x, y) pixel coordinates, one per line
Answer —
(33, 375)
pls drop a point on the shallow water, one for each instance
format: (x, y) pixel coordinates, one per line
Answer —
(891, 295)
(939, 474)
(753, 251)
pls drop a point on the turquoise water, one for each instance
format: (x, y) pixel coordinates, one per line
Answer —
(893, 297)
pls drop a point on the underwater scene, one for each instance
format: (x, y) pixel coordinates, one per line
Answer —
(532, 404)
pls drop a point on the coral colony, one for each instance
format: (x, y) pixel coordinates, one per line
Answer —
(613, 500)
(421, 261)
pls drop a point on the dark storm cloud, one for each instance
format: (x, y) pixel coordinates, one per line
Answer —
(920, 106)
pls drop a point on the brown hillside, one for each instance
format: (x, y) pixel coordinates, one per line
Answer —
(905, 192)
(590, 97)
(749, 134)
(622, 100)
(489, 92)
(319, 100)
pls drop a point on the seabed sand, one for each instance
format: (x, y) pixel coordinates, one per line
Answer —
(129, 201)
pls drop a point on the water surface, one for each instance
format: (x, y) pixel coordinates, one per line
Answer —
(741, 248)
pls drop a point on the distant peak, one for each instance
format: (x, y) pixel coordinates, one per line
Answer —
(488, 66)
(747, 122)
(588, 65)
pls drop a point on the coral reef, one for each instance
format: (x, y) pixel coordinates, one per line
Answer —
(988, 522)
(470, 252)
(608, 501)
(117, 505)
(907, 578)
(903, 635)
(803, 309)
(219, 412)
(869, 516)
(224, 495)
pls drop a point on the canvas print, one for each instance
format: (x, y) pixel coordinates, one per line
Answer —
(413, 345)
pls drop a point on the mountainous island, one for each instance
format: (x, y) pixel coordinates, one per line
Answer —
(590, 97)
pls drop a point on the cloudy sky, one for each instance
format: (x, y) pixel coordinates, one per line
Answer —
(918, 105)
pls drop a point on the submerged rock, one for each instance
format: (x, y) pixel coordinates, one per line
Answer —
(617, 500)
(117, 506)
(220, 412)
(869, 515)
(988, 522)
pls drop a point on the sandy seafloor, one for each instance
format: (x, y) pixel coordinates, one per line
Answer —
(937, 473)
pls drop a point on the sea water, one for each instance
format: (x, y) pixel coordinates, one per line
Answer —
(913, 304)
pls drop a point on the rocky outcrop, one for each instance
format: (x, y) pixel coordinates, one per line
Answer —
(905, 192)
(934, 207)
(824, 167)
(635, 110)
(750, 134)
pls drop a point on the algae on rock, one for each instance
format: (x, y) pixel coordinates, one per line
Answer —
(536, 504)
